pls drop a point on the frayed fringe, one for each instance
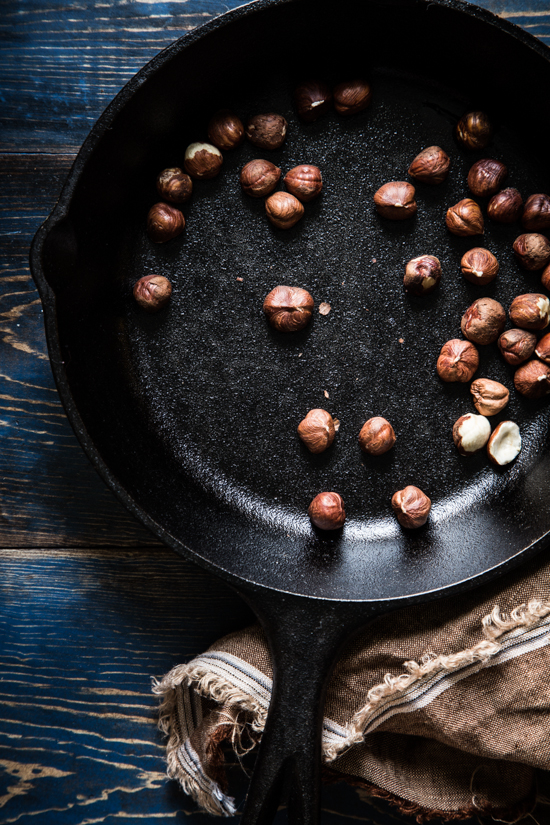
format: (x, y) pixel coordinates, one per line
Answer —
(526, 615)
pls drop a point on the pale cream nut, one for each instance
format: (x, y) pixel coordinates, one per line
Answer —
(504, 444)
(471, 433)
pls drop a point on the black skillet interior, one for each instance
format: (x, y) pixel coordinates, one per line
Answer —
(191, 414)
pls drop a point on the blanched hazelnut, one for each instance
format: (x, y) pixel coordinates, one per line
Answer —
(490, 397)
(288, 308)
(202, 160)
(225, 130)
(483, 321)
(542, 350)
(474, 130)
(326, 511)
(259, 178)
(317, 430)
(152, 292)
(486, 177)
(532, 251)
(431, 165)
(533, 379)
(458, 361)
(396, 200)
(517, 345)
(352, 96)
(411, 506)
(471, 433)
(422, 275)
(312, 98)
(536, 214)
(464, 218)
(505, 443)
(479, 266)
(267, 131)
(530, 311)
(304, 182)
(376, 436)
(174, 185)
(283, 210)
(164, 222)
(505, 206)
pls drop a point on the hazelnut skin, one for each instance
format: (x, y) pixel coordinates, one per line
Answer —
(490, 397)
(542, 350)
(312, 98)
(532, 251)
(259, 178)
(464, 218)
(396, 200)
(202, 160)
(351, 97)
(283, 210)
(458, 361)
(431, 165)
(486, 177)
(479, 266)
(326, 511)
(317, 430)
(474, 130)
(506, 206)
(411, 506)
(517, 345)
(536, 213)
(304, 182)
(376, 436)
(422, 275)
(288, 308)
(505, 443)
(152, 292)
(225, 130)
(483, 321)
(164, 222)
(533, 379)
(174, 186)
(530, 311)
(267, 131)
(471, 433)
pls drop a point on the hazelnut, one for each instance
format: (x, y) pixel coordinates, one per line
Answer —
(317, 430)
(483, 321)
(259, 177)
(490, 397)
(533, 379)
(465, 218)
(164, 222)
(202, 160)
(352, 96)
(458, 361)
(474, 130)
(486, 177)
(376, 436)
(517, 345)
(326, 511)
(267, 131)
(532, 251)
(422, 275)
(505, 443)
(545, 277)
(174, 185)
(396, 200)
(283, 210)
(288, 308)
(152, 292)
(536, 213)
(304, 182)
(431, 165)
(471, 433)
(479, 266)
(225, 130)
(411, 506)
(505, 206)
(312, 98)
(542, 350)
(530, 311)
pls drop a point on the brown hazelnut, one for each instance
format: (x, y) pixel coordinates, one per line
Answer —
(533, 379)
(490, 397)
(479, 266)
(532, 251)
(411, 506)
(174, 185)
(317, 430)
(505, 206)
(505, 443)
(542, 350)
(483, 321)
(474, 130)
(352, 96)
(312, 98)
(422, 275)
(304, 182)
(536, 213)
(530, 311)
(396, 200)
(486, 177)
(376, 436)
(545, 277)
(431, 165)
(326, 511)
(517, 345)
(225, 130)
(471, 433)
(458, 361)
(465, 218)
(202, 160)
(259, 178)
(283, 210)
(288, 308)
(152, 292)
(267, 131)
(164, 222)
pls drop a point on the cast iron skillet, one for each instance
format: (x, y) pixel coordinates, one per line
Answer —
(190, 415)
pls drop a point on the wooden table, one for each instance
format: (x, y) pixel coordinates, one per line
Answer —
(91, 605)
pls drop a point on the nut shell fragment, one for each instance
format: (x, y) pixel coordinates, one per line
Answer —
(317, 430)
(490, 397)
(411, 506)
(471, 433)
(505, 443)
